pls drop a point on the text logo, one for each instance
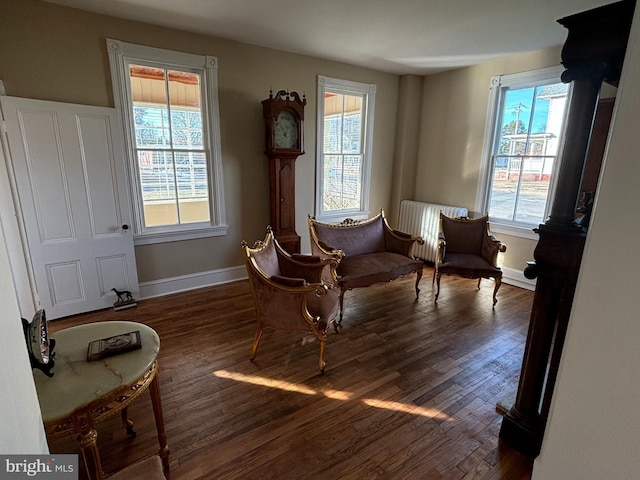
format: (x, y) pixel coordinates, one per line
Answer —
(50, 467)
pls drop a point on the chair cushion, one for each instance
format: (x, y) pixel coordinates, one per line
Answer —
(467, 265)
(364, 270)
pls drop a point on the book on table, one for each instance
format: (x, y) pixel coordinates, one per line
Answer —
(106, 347)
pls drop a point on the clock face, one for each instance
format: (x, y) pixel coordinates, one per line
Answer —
(286, 130)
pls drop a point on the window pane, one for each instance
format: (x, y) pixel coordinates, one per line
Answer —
(151, 127)
(186, 116)
(150, 111)
(532, 199)
(157, 182)
(342, 182)
(193, 193)
(332, 182)
(156, 175)
(505, 186)
(352, 173)
(332, 134)
(352, 135)
(191, 171)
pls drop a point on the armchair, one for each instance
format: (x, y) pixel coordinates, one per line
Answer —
(467, 249)
(289, 293)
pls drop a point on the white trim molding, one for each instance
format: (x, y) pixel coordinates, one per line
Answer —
(183, 283)
(368, 92)
(121, 55)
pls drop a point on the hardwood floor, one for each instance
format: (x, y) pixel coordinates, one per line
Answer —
(409, 392)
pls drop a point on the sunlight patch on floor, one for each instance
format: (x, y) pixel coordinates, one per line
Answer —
(406, 408)
(265, 382)
(333, 394)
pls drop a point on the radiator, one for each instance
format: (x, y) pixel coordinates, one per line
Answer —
(423, 219)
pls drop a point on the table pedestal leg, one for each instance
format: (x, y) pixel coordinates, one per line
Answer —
(88, 442)
(154, 390)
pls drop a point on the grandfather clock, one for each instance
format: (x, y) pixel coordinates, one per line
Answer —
(284, 117)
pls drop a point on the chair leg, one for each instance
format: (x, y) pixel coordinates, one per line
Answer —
(437, 287)
(495, 290)
(256, 341)
(418, 277)
(323, 342)
(341, 307)
(479, 282)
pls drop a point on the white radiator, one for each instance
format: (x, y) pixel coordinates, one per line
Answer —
(423, 219)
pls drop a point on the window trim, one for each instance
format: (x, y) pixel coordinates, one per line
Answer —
(120, 53)
(347, 87)
(515, 80)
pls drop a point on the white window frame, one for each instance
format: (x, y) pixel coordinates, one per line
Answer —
(496, 98)
(346, 87)
(121, 54)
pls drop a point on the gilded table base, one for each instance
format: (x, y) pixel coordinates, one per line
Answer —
(82, 423)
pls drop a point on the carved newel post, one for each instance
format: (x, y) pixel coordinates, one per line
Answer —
(593, 53)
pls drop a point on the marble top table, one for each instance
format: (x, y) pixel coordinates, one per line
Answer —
(82, 393)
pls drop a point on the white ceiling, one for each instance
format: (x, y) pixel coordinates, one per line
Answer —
(396, 36)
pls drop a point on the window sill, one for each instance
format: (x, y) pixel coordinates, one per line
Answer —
(513, 230)
(166, 237)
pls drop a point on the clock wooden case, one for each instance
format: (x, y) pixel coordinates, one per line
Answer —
(284, 121)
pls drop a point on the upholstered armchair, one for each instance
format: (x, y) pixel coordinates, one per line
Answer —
(466, 248)
(289, 293)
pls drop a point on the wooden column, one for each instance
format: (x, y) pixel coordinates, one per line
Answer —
(593, 53)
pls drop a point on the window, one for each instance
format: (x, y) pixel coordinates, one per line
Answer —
(169, 105)
(525, 128)
(345, 132)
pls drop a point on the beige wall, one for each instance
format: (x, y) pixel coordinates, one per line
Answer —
(407, 142)
(57, 53)
(454, 110)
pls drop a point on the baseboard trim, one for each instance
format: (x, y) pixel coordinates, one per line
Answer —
(516, 278)
(166, 286)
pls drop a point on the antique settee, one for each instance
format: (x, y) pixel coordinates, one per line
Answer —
(369, 251)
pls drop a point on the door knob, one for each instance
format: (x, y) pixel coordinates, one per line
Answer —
(125, 227)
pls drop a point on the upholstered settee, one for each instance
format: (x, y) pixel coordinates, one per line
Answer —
(369, 251)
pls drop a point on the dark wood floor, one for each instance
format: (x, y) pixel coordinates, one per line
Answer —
(409, 392)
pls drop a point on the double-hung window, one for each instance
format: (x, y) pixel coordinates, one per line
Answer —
(170, 113)
(525, 129)
(345, 132)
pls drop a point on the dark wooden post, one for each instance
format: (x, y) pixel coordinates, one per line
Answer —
(593, 53)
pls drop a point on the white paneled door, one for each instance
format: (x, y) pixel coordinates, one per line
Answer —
(69, 171)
